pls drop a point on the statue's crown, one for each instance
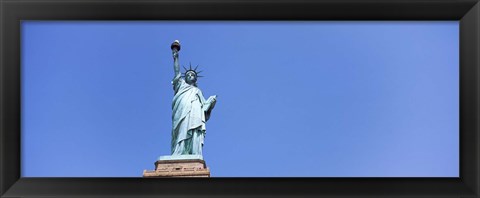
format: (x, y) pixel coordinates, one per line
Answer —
(192, 70)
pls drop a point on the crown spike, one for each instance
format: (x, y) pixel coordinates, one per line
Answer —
(192, 70)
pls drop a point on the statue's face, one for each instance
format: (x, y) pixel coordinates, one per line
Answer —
(190, 78)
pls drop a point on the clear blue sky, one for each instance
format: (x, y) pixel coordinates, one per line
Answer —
(309, 99)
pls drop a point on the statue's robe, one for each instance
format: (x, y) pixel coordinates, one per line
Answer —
(190, 112)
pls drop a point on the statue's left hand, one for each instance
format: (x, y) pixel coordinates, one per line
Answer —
(213, 101)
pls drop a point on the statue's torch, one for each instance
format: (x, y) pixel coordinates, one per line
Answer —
(175, 46)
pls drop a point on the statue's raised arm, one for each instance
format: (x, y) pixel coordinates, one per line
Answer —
(176, 66)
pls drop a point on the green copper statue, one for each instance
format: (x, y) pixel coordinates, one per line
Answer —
(190, 110)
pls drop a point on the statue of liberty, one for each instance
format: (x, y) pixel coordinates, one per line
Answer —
(190, 109)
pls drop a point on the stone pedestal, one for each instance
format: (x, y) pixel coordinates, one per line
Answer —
(178, 167)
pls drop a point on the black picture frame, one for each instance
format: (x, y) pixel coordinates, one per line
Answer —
(12, 12)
